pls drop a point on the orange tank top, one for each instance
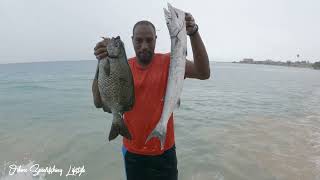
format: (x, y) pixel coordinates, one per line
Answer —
(150, 86)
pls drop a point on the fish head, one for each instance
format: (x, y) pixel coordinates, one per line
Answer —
(115, 47)
(175, 19)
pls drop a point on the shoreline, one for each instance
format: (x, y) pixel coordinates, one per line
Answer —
(275, 65)
(296, 64)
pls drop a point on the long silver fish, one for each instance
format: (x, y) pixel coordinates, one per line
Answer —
(115, 82)
(175, 20)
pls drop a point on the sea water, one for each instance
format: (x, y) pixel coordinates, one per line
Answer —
(245, 122)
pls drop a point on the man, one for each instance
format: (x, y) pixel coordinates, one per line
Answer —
(144, 161)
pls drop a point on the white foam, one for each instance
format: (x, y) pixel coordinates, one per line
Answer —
(208, 176)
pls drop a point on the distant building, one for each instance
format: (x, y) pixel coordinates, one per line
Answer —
(247, 60)
(304, 64)
(268, 61)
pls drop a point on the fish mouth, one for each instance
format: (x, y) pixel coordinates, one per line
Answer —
(175, 19)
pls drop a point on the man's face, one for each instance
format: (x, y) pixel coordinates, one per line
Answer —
(144, 41)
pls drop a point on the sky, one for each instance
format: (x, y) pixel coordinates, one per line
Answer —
(66, 30)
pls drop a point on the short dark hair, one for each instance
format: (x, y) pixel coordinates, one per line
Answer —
(143, 22)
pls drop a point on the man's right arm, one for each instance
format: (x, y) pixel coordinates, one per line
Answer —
(95, 90)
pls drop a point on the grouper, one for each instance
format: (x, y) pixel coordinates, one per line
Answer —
(116, 86)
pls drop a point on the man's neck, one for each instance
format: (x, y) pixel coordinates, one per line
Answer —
(144, 64)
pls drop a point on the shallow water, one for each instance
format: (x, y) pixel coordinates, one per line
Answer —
(246, 122)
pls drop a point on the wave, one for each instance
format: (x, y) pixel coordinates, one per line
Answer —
(29, 87)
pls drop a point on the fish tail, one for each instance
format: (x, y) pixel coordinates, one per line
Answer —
(161, 136)
(119, 127)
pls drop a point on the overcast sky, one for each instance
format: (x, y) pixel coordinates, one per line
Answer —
(53, 30)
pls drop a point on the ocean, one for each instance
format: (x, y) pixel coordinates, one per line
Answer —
(246, 122)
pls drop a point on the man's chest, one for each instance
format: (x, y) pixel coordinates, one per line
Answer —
(147, 82)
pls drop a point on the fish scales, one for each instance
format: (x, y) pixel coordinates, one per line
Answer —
(116, 86)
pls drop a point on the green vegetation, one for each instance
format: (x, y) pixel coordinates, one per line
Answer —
(316, 65)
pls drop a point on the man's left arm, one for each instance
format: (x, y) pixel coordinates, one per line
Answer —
(199, 68)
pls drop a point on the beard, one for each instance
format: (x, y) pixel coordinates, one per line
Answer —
(145, 57)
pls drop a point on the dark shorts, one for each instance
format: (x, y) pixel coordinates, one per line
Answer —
(145, 167)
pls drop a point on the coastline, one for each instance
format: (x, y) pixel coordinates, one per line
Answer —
(297, 64)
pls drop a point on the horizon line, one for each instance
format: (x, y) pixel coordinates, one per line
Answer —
(218, 60)
(29, 62)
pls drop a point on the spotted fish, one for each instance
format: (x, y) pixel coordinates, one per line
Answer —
(116, 86)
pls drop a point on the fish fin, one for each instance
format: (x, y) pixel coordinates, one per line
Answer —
(106, 109)
(114, 132)
(119, 127)
(107, 67)
(124, 131)
(178, 104)
(157, 134)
